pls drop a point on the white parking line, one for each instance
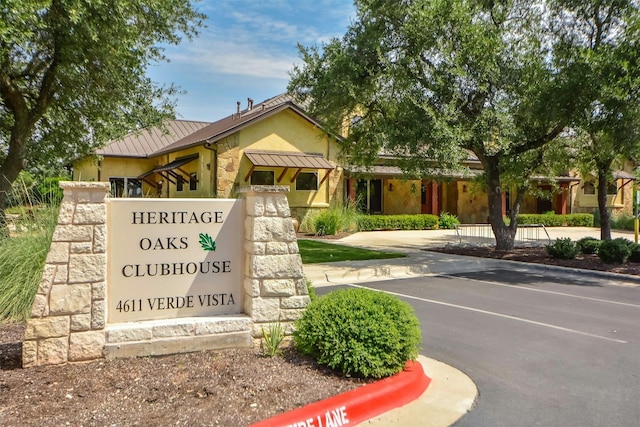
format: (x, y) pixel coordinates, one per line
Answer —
(492, 313)
(526, 288)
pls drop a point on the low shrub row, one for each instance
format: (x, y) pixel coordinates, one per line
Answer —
(614, 251)
(553, 220)
(396, 222)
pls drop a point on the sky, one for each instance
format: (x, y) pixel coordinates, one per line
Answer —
(246, 50)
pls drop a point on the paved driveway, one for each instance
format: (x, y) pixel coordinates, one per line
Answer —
(543, 350)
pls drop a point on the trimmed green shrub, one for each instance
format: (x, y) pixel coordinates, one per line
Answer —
(359, 332)
(396, 222)
(328, 223)
(589, 245)
(615, 251)
(622, 221)
(634, 256)
(578, 220)
(548, 220)
(447, 221)
(563, 248)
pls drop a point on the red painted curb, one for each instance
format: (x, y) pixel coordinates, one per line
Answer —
(359, 405)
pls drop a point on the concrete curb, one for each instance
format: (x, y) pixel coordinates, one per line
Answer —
(359, 405)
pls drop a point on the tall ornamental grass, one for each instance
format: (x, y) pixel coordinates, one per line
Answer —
(22, 258)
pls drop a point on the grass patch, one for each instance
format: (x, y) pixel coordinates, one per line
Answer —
(315, 251)
(22, 259)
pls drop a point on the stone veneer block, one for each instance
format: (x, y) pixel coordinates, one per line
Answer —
(87, 268)
(290, 315)
(73, 233)
(255, 206)
(271, 229)
(277, 248)
(53, 351)
(276, 266)
(62, 274)
(297, 302)
(47, 279)
(40, 306)
(80, 322)
(265, 309)
(70, 299)
(129, 332)
(48, 327)
(278, 288)
(255, 248)
(270, 205)
(86, 345)
(100, 239)
(174, 330)
(222, 325)
(81, 248)
(65, 214)
(90, 213)
(252, 287)
(58, 253)
(29, 353)
(98, 314)
(294, 248)
(301, 287)
(98, 290)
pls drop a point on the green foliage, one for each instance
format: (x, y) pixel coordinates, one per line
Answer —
(311, 290)
(615, 251)
(359, 332)
(554, 220)
(74, 75)
(272, 339)
(563, 248)
(623, 221)
(634, 256)
(579, 220)
(22, 259)
(589, 245)
(328, 222)
(447, 221)
(396, 222)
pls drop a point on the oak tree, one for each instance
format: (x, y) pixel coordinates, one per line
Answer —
(73, 75)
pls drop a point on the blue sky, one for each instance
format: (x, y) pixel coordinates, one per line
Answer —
(246, 51)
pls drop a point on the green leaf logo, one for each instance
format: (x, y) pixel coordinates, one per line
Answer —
(207, 243)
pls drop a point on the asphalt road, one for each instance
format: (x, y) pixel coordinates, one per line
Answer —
(542, 350)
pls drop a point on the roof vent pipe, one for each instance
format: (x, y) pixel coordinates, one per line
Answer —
(249, 104)
(238, 108)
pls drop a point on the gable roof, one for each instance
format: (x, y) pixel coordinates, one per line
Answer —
(235, 122)
(149, 141)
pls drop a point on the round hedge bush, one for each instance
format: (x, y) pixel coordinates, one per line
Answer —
(589, 245)
(359, 332)
(563, 248)
(615, 251)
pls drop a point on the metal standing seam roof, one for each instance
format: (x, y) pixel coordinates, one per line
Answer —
(148, 141)
(286, 159)
(171, 165)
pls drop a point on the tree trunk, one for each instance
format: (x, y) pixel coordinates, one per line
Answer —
(605, 214)
(504, 234)
(10, 169)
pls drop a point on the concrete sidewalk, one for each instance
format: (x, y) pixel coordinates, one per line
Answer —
(451, 393)
(420, 261)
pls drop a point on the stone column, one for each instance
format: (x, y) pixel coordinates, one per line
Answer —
(68, 315)
(274, 284)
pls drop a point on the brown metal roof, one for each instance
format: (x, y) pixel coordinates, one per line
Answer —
(287, 159)
(148, 141)
(233, 123)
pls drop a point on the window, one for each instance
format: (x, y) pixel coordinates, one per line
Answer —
(262, 178)
(193, 181)
(307, 181)
(589, 188)
(125, 187)
(612, 188)
(179, 183)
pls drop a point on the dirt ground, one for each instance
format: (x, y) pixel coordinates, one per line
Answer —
(215, 388)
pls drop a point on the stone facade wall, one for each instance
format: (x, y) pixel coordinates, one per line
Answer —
(69, 312)
(274, 285)
(68, 320)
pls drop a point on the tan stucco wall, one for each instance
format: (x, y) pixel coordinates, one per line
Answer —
(472, 204)
(399, 197)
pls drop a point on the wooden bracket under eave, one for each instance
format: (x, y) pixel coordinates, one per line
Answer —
(284, 171)
(325, 177)
(246, 178)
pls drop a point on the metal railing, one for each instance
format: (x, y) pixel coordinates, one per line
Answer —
(526, 234)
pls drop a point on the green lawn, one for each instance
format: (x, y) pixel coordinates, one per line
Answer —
(315, 251)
